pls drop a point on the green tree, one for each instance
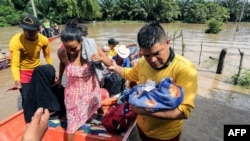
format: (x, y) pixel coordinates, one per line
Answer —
(107, 7)
(20, 4)
(184, 6)
(148, 7)
(234, 7)
(200, 13)
(8, 16)
(247, 12)
(162, 10)
(80, 9)
(128, 10)
(216, 11)
(168, 9)
(138, 13)
(6, 2)
(187, 6)
(49, 9)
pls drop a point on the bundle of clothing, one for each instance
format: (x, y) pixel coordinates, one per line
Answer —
(163, 96)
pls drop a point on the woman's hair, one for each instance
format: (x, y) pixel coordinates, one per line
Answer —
(73, 23)
(71, 34)
(151, 34)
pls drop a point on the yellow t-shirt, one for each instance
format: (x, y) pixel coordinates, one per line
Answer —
(25, 54)
(184, 73)
(113, 52)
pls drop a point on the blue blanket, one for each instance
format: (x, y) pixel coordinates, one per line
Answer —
(166, 95)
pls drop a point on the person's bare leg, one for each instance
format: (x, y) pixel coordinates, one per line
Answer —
(70, 137)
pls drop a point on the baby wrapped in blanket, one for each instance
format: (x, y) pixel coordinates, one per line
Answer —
(163, 96)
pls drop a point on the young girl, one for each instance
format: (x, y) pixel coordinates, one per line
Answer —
(82, 90)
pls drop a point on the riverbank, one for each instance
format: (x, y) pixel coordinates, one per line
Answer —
(214, 108)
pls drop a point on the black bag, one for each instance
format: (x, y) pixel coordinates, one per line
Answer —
(114, 83)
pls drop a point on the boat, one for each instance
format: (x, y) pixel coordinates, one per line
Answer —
(53, 38)
(11, 129)
(4, 63)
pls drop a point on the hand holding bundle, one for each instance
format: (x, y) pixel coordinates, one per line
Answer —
(165, 95)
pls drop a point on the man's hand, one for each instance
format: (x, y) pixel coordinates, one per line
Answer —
(140, 111)
(17, 86)
(36, 129)
(113, 66)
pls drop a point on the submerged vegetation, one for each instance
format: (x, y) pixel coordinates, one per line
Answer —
(242, 80)
(214, 26)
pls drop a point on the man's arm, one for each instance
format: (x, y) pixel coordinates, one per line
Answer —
(104, 58)
(15, 64)
(115, 67)
(131, 45)
(46, 53)
(174, 114)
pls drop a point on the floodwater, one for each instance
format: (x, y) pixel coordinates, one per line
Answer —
(218, 102)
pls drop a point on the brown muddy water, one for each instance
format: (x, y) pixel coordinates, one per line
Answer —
(218, 102)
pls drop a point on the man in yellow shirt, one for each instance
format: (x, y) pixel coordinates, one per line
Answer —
(113, 45)
(158, 62)
(25, 48)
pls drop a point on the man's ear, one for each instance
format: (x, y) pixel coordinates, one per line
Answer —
(168, 41)
(39, 28)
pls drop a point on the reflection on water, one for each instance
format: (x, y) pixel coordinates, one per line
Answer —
(194, 35)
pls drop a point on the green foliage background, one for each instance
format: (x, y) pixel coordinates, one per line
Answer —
(191, 11)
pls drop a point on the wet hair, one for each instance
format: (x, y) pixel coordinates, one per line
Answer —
(151, 34)
(71, 34)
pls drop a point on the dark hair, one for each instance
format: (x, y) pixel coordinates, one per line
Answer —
(71, 23)
(83, 29)
(70, 34)
(151, 34)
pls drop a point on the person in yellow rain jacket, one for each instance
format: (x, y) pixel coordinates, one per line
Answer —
(25, 48)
